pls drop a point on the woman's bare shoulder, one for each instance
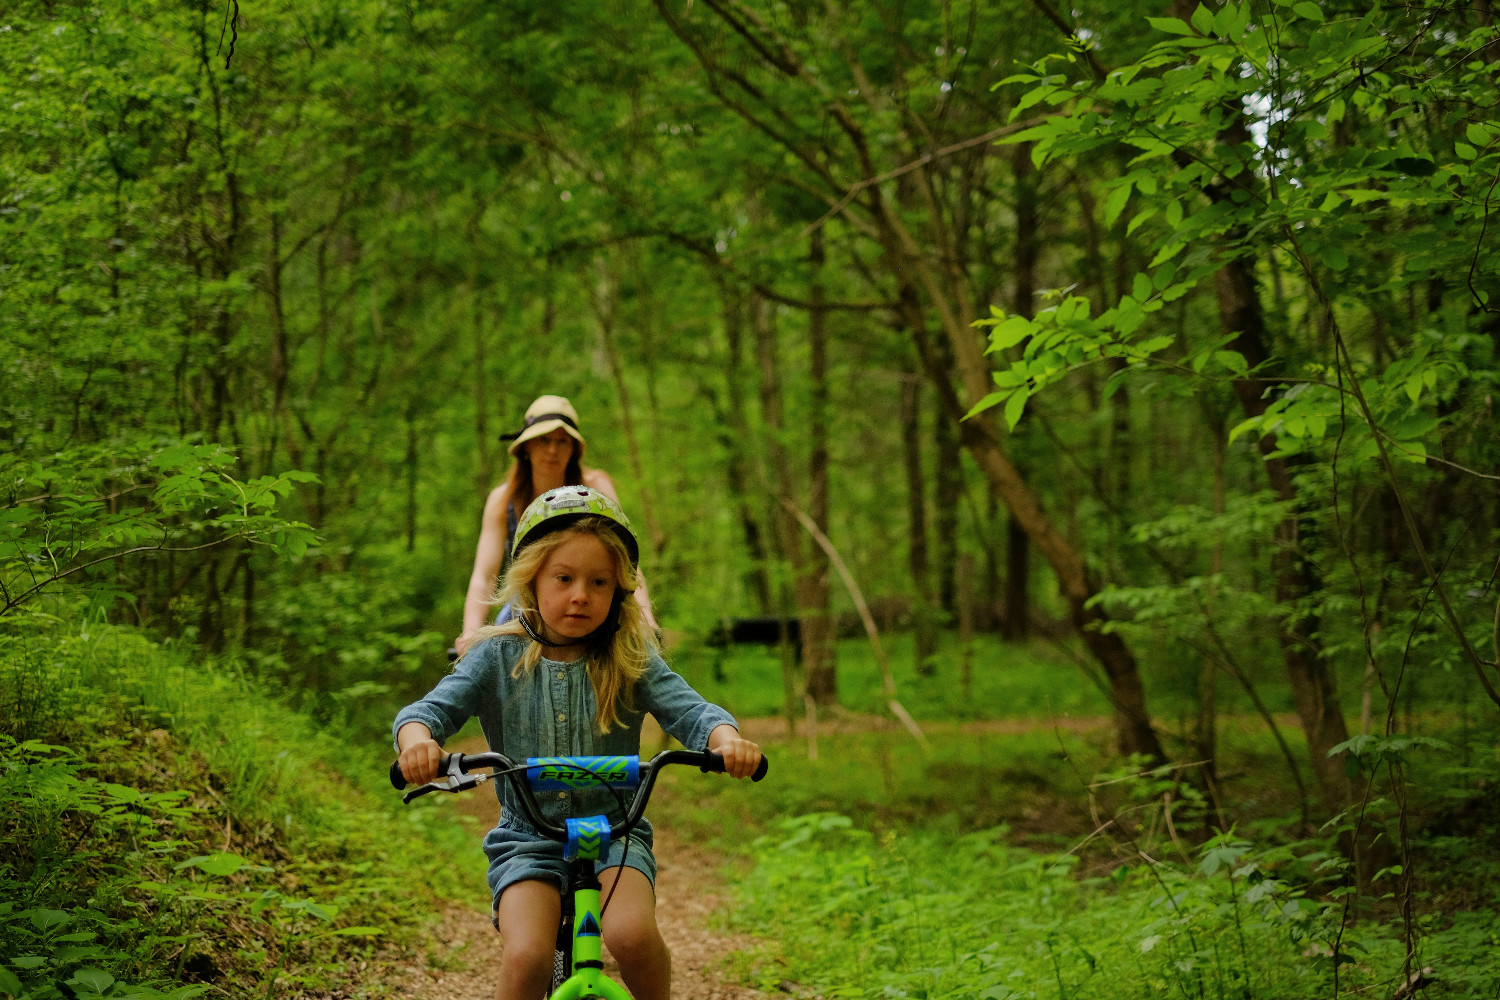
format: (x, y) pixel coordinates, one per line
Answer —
(494, 505)
(599, 479)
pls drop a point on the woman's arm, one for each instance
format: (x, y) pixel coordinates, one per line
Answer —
(488, 554)
(599, 480)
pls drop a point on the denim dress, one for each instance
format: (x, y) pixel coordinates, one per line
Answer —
(549, 712)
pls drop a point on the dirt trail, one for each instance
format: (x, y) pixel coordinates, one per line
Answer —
(689, 889)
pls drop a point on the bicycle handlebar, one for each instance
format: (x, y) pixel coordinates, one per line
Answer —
(457, 766)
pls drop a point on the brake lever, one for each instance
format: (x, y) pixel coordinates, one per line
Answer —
(456, 780)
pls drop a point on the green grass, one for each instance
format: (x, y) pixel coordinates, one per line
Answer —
(178, 759)
(974, 871)
(1032, 680)
(1037, 679)
(170, 827)
(919, 914)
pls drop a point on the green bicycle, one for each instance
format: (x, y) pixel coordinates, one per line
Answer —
(578, 964)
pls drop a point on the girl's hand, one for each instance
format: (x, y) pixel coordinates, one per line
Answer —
(741, 757)
(420, 753)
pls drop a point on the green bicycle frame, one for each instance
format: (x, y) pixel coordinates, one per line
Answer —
(588, 978)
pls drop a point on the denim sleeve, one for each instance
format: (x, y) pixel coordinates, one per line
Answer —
(679, 709)
(457, 697)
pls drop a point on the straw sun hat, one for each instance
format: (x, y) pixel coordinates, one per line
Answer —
(544, 416)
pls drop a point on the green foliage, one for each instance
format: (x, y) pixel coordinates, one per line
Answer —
(1034, 681)
(94, 505)
(172, 825)
(1238, 150)
(914, 914)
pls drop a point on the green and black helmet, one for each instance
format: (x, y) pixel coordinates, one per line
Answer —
(559, 508)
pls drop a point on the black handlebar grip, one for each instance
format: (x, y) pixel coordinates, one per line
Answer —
(715, 763)
(398, 780)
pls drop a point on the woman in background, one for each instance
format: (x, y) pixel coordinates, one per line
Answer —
(548, 453)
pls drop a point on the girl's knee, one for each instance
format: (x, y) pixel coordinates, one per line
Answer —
(628, 939)
(527, 953)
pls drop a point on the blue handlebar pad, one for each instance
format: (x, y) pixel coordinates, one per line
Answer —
(588, 838)
(556, 774)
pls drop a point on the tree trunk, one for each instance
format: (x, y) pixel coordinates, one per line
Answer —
(1133, 730)
(738, 473)
(989, 614)
(1314, 687)
(1016, 623)
(924, 638)
(818, 652)
(930, 274)
(411, 479)
(788, 534)
(484, 476)
(1205, 733)
(947, 487)
(604, 309)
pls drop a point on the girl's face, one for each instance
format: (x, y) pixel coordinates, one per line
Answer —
(549, 454)
(575, 587)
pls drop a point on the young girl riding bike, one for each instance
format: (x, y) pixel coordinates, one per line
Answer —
(573, 674)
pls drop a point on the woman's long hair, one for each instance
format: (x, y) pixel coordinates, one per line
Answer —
(615, 661)
(518, 478)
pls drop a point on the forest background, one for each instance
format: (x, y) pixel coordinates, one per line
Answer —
(1133, 361)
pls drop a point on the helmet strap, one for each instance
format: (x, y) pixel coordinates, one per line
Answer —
(598, 636)
(531, 631)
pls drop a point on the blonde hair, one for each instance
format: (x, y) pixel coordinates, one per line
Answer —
(615, 662)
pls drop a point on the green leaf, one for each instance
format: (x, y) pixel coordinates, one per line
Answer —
(1203, 20)
(358, 931)
(45, 920)
(1115, 204)
(1140, 218)
(988, 402)
(1249, 424)
(9, 983)
(1233, 360)
(220, 863)
(1166, 253)
(1014, 407)
(1478, 134)
(1465, 151)
(1224, 20)
(1170, 25)
(1334, 258)
(1010, 332)
(1311, 11)
(91, 981)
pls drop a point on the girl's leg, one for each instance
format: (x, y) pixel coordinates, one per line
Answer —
(528, 916)
(631, 934)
